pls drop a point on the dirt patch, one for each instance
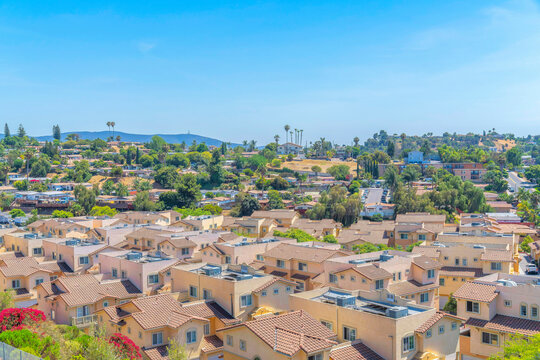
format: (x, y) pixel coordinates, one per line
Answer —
(305, 165)
(127, 180)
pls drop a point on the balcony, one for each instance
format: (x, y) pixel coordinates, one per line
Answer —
(83, 321)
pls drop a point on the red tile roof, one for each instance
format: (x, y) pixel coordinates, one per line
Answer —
(461, 271)
(426, 263)
(358, 351)
(508, 324)
(434, 319)
(497, 255)
(476, 292)
(211, 343)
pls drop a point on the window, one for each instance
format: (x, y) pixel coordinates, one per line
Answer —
(140, 334)
(191, 336)
(404, 236)
(475, 259)
(464, 261)
(15, 284)
(227, 259)
(280, 264)
(185, 251)
(299, 286)
(276, 291)
(353, 278)
(349, 334)
(454, 325)
(39, 281)
(446, 258)
(441, 329)
(490, 339)
(497, 266)
(153, 279)
(157, 338)
(302, 266)
(534, 311)
(260, 257)
(245, 300)
(105, 304)
(523, 310)
(263, 293)
(206, 329)
(229, 340)
(192, 291)
(507, 303)
(399, 275)
(316, 357)
(123, 274)
(456, 261)
(394, 277)
(83, 311)
(441, 281)
(83, 260)
(424, 297)
(408, 343)
(473, 307)
(206, 294)
(37, 251)
(328, 324)
(421, 237)
(379, 284)
(430, 274)
(243, 345)
(428, 333)
(114, 273)
(288, 289)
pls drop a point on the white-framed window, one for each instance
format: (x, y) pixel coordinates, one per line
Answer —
(454, 325)
(227, 259)
(379, 284)
(83, 311)
(246, 300)
(456, 261)
(280, 263)
(508, 303)
(15, 284)
(353, 278)
(288, 289)
(441, 329)
(464, 261)
(243, 345)
(302, 266)
(276, 291)
(185, 251)
(523, 310)
(260, 257)
(441, 281)
(328, 324)
(123, 274)
(408, 343)
(490, 338)
(473, 307)
(428, 333)
(349, 333)
(39, 281)
(263, 293)
(191, 336)
(404, 236)
(496, 266)
(229, 340)
(206, 329)
(421, 237)
(207, 294)
(84, 260)
(424, 297)
(153, 279)
(431, 274)
(105, 304)
(37, 251)
(192, 291)
(157, 338)
(534, 311)
(114, 273)
(318, 356)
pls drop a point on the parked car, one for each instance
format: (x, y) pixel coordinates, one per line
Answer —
(531, 269)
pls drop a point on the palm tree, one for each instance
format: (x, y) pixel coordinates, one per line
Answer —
(287, 128)
(28, 155)
(356, 140)
(291, 135)
(252, 145)
(245, 143)
(113, 124)
(276, 138)
(301, 136)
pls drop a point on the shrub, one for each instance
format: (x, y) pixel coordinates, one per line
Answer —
(14, 319)
(125, 346)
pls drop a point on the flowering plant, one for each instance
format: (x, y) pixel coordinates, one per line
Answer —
(16, 319)
(125, 346)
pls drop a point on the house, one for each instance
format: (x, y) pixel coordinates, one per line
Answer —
(500, 206)
(284, 218)
(497, 307)
(298, 263)
(25, 243)
(74, 300)
(240, 290)
(392, 327)
(250, 226)
(143, 269)
(413, 227)
(146, 238)
(317, 228)
(295, 335)
(198, 223)
(348, 238)
(149, 217)
(78, 254)
(151, 322)
(289, 148)
(371, 209)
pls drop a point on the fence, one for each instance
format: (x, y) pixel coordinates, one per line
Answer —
(8, 352)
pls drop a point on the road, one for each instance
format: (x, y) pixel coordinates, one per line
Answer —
(514, 181)
(524, 260)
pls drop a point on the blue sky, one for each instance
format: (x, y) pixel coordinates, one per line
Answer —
(243, 69)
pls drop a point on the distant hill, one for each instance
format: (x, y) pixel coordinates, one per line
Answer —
(170, 138)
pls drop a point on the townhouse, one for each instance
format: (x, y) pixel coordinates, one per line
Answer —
(317, 228)
(76, 226)
(79, 254)
(250, 226)
(497, 307)
(74, 300)
(149, 217)
(295, 335)
(241, 290)
(414, 227)
(25, 243)
(198, 223)
(284, 218)
(148, 271)
(151, 322)
(146, 238)
(401, 273)
(300, 263)
(390, 326)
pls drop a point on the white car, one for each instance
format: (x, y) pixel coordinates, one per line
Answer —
(531, 269)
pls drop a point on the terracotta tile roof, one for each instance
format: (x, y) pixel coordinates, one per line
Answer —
(426, 262)
(476, 292)
(358, 351)
(295, 331)
(207, 310)
(497, 255)
(272, 282)
(508, 324)
(370, 271)
(409, 287)
(461, 271)
(157, 353)
(275, 214)
(211, 343)
(312, 254)
(27, 266)
(419, 218)
(434, 319)
(429, 251)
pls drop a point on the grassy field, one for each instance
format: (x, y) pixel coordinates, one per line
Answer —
(305, 165)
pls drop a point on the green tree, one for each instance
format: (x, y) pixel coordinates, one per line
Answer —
(40, 167)
(274, 200)
(61, 214)
(392, 177)
(57, 135)
(513, 156)
(7, 133)
(339, 172)
(176, 351)
(316, 169)
(451, 305)
(189, 192)
(391, 149)
(7, 299)
(86, 198)
(167, 177)
(16, 213)
(103, 211)
(245, 205)
(524, 246)
(411, 173)
(21, 132)
(217, 174)
(142, 202)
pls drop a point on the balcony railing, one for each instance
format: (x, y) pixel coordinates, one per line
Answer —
(83, 321)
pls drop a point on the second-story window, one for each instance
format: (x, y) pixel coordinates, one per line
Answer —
(349, 333)
(430, 274)
(246, 300)
(191, 336)
(185, 251)
(379, 284)
(153, 279)
(408, 343)
(280, 263)
(83, 260)
(523, 310)
(456, 261)
(157, 339)
(316, 357)
(333, 278)
(114, 273)
(193, 291)
(473, 307)
(227, 259)
(260, 257)
(441, 281)
(302, 266)
(496, 266)
(207, 294)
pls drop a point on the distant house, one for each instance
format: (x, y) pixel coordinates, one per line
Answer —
(415, 157)
(289, 148)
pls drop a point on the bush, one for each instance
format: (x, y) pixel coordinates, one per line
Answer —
(125, 346)
(14, 319)
(524, 246)
(299, 235)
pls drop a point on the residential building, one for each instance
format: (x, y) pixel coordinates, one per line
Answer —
(78, 254)
(289, 148)
(284, 218)
(198, 223)
(25, 243)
